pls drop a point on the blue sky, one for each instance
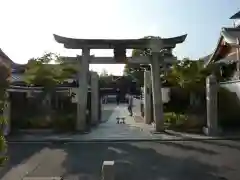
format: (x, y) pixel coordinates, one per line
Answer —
(27, 26)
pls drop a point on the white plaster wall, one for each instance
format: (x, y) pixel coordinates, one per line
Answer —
(232, 86)
(165, 95)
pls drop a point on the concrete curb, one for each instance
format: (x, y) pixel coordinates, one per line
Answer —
(68, 140)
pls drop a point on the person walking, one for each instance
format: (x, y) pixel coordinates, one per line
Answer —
(118, 96)
(130, 104)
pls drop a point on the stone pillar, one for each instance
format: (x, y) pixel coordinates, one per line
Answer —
(211, 98)
(94, 98)
(108, 170)
(83, 89)
(157, 92)
(147, 97)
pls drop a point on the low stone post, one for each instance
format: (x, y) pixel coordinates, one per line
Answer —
(147, 97)
(94, 98)
(212, 106)
(108, 170)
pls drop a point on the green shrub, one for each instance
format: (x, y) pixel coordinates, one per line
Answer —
(179, 100)
(4, 75)
(175, 120)
(182, 122)
(64, 122)
(37, 122)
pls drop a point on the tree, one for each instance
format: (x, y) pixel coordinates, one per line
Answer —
(4, 83)
(146, 51)
(189, 76)
(136, 71)
(186, 74)
(39, 72)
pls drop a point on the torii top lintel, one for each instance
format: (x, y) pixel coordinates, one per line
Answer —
(72, 43)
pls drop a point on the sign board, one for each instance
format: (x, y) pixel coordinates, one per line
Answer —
(165, 95)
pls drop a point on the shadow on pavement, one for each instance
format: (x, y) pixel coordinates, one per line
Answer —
(133, 163)
(106, 113)
(190, 148)
(223, 143)
(19, 153)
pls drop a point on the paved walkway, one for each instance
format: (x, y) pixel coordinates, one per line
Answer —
(130, 130)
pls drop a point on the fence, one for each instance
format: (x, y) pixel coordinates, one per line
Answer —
(28, 103)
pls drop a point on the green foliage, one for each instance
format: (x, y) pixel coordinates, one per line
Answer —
(37, 122)
(173, 119)
(136, 71)
(187, 74)
(40, 72)
(179, 100)
(4, 83)
(65, 122)
(146, 51)
(183, 122)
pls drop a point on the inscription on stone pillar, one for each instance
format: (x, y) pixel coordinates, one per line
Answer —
(211, 98)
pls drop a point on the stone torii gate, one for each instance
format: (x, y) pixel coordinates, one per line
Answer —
(158, 47)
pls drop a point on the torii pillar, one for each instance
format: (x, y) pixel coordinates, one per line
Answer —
(147, 97)
(157, 93)
(155, 60)
(83, 89)
(94, 98)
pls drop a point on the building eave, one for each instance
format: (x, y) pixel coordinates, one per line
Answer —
(227, 43)
(213, 55)
(236, 16)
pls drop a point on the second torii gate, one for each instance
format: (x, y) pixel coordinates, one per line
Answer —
(158, 46)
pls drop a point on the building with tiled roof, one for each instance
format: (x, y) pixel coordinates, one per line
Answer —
(226, 51)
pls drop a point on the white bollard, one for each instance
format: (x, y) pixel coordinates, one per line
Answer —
(108, 171)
